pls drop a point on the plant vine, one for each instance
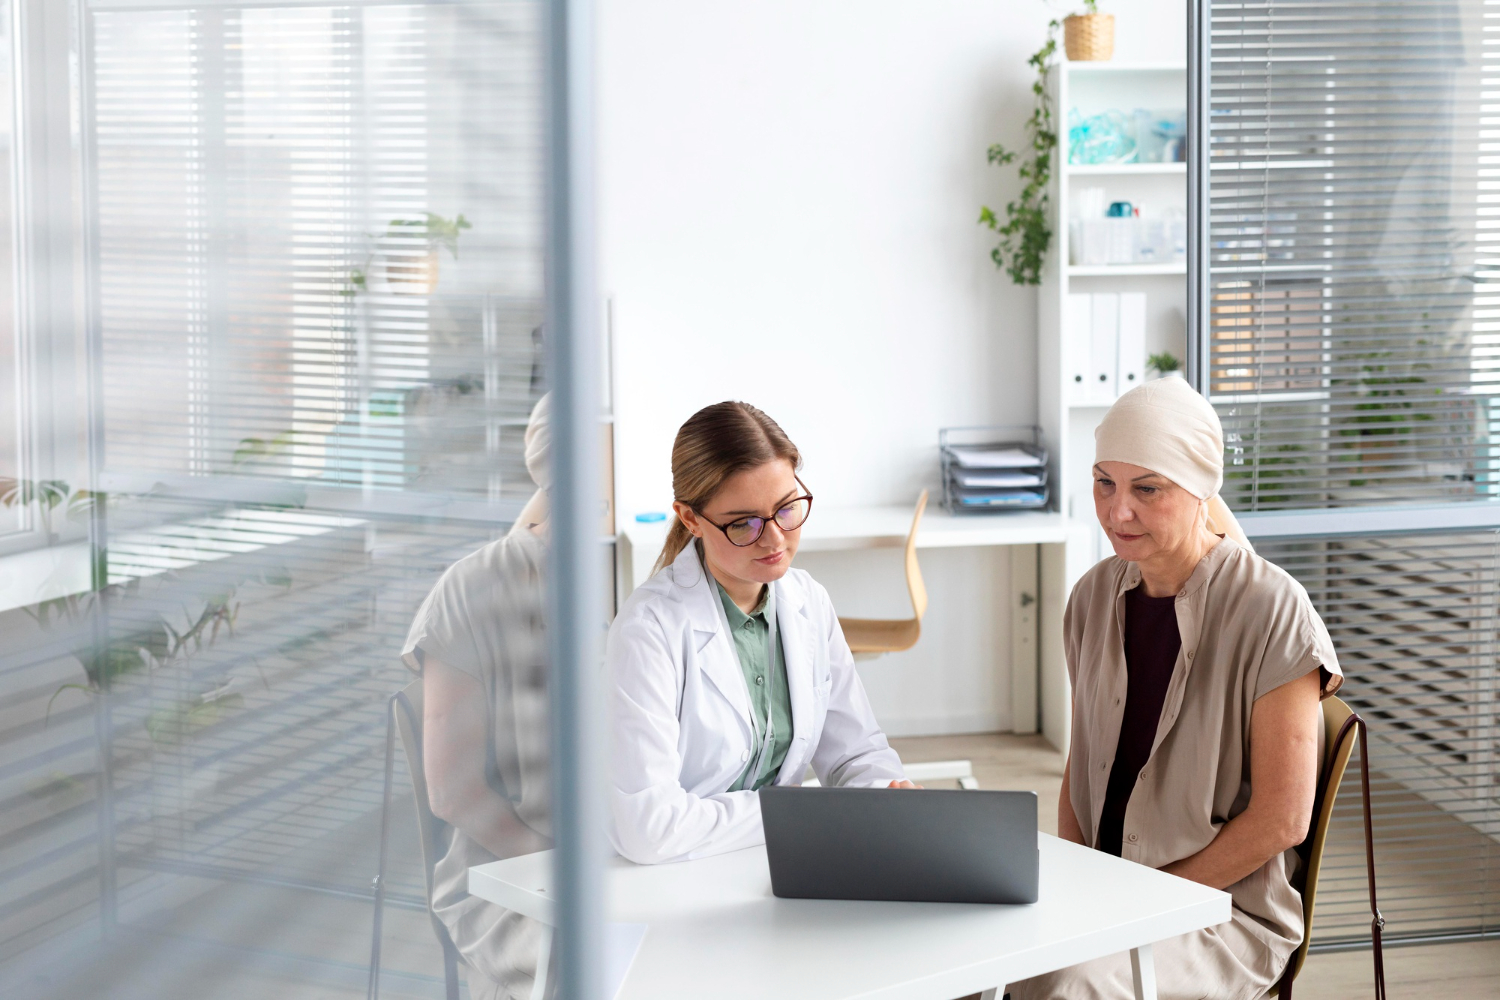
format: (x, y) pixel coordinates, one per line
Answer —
(1025, 236)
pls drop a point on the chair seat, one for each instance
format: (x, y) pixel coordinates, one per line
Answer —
(881, 635)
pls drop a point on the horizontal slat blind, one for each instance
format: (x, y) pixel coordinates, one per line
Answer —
(282, 292)
(1413, 619)
(1352, 352)
(284, 288)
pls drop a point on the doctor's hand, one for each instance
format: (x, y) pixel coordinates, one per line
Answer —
(903, 783)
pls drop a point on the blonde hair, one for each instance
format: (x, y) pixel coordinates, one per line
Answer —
(716, 443)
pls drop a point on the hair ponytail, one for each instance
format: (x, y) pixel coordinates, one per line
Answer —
(716, 443)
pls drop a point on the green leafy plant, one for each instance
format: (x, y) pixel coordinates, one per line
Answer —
(254, 449)
(1164, 363)
(436, 230)
(1025, 236)
(48, 495)
(147, 647)
(433, 229)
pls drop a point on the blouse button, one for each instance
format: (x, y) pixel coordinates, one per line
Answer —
(744, 756)
(1133, 838)
(1190, 654)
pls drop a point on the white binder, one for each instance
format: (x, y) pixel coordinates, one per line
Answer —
(1131, 370)
(1104, 353)
(1078, 346)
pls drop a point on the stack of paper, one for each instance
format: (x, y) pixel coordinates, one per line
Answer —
(996, 476)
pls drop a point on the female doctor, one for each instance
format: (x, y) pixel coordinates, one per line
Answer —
(727, 669)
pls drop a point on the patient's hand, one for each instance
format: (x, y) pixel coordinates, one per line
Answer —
(903, 783)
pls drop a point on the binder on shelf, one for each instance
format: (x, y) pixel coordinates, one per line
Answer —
(993, 469)
(1104, 355)
(1131, 368)
(1078, 344)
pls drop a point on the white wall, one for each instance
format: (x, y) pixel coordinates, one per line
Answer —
(788, 196)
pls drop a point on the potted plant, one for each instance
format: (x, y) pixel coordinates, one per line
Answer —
(1090, 36)
(412, 245)
(1025, 235)
(1164, 364)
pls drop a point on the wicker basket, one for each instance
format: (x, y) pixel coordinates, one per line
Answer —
(1089, 37)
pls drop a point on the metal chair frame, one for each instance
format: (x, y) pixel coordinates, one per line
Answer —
(406, 706)
(1338, 748)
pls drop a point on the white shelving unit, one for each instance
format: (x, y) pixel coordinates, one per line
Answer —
(1069, 429)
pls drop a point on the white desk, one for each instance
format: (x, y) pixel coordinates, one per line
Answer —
(837, 528)
(716, 930)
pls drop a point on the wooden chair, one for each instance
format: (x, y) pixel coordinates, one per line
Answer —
(873, 636)
(886, 635)
(1339, 725)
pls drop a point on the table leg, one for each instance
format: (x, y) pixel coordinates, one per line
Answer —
(1143, 973)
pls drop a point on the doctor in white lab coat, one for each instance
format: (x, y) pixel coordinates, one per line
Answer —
(690, 741)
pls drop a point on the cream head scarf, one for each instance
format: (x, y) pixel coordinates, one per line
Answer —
(1167, 427)
(538, 441)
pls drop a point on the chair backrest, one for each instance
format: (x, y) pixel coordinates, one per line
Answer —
(914, 583)
(433, 832)
(1336, 755)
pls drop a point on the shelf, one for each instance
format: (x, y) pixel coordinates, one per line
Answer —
(1124, 270)
(1114, 67)
(1123, 169)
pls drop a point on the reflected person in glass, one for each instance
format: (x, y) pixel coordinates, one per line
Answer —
(479, 643)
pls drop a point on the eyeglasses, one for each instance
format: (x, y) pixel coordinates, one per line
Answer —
(747, 530)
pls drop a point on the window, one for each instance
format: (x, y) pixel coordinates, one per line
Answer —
(1349, 345)
(306, 259)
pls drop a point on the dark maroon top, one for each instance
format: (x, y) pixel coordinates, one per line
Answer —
(1151, 645)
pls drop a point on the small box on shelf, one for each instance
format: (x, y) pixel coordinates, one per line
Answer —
(993, 469)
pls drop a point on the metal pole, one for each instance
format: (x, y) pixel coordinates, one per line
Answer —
(1198, 240)
(576, 611)
(98, 522)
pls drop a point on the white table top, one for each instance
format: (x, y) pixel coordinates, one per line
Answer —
(886, 527)
(714, 921)
(839, 528)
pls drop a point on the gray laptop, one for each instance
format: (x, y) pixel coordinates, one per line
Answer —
(927, 845)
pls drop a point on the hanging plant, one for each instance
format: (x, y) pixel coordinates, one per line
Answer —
(1025, 236)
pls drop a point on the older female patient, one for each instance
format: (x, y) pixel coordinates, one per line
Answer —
(1197, 669)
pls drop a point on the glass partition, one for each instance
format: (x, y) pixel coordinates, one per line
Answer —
(275, 549)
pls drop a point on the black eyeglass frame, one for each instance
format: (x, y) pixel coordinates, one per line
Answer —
(763, 520)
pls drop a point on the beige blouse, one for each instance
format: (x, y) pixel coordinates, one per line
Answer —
(1247, 628)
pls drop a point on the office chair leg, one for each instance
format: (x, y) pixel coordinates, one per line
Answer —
(373, 991)
(1377, 920)
(450, 969)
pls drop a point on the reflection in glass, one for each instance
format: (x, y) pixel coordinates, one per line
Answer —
(479, 646)
(306, 258)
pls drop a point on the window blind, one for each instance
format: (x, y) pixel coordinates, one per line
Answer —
(310, 252)
(1350, 349)
(294, 278)
(1413, 620)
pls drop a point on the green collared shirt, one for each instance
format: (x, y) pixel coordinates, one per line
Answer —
(766, 681)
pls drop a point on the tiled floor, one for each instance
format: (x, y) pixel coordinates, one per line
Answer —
(1462, 971)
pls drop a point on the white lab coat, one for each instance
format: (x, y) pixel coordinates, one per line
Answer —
(680, 710)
